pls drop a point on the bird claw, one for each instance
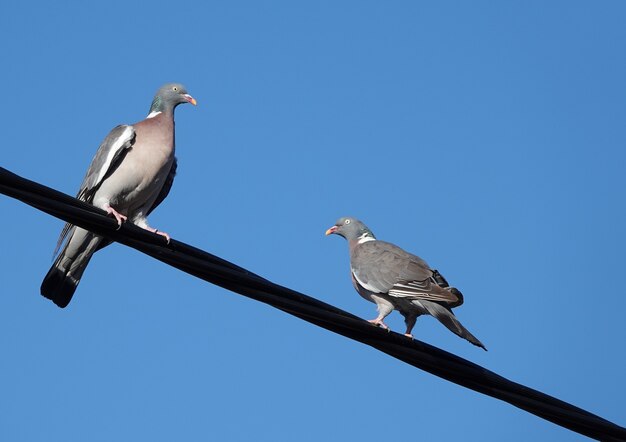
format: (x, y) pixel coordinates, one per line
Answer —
(379, 323)
(118, 216)
(164, 235)
(409, 335)
(158, 232)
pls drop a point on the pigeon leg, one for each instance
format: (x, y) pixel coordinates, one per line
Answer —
(409, 320)
(384, 307)
(118, 216)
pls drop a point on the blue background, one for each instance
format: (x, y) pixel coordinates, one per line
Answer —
(487, 137)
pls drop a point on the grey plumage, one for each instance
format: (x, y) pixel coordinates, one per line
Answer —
(130, 175)
(393, 279)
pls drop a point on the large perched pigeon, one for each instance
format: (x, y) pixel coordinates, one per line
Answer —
(131, 174)
(393, 279)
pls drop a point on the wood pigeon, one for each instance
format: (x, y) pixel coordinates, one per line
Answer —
(131, 174)
(393, 279)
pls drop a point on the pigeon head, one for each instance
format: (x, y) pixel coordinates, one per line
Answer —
(169, 96)
(351, 229)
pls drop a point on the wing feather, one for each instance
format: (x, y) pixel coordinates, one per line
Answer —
(109, 155)
(382, 267)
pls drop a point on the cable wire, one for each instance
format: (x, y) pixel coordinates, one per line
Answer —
(220, 272)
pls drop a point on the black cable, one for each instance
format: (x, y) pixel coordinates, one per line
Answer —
(215, 270)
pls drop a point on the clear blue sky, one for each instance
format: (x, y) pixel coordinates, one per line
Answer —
(486, 137)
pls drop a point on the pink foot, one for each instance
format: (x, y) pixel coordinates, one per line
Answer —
(379, 323)
(408, 335)
(118, 216)
(158, 232)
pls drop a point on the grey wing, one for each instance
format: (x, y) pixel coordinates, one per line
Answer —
(432, 288)
(167, 186)
(387, 268)
(108, 157)
(379, 265)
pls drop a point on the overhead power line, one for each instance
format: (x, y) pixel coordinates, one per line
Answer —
(220, 272)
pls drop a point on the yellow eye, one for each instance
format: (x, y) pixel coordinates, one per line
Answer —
(174, 88)
(347, 221)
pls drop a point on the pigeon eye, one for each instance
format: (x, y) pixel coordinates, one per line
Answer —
(347, 221)
(174, 88)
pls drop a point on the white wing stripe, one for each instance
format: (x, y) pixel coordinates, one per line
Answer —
(121, 140)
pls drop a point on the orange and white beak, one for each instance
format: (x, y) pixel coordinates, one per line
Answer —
(190, 99)
(332, 230)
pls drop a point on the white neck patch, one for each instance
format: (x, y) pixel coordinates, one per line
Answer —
(153, 114)
(365, 238)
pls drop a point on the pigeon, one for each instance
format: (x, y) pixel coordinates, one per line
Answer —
(130, 175)
(393, 279)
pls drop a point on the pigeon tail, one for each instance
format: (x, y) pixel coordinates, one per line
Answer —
(447, 318)
(58, 286)
(63, 277)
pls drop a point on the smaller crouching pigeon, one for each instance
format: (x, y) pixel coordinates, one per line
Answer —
(131, 174)
(393, 279)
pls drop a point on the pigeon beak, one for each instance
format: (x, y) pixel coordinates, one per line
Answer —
(332, 230)
(190, 99)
